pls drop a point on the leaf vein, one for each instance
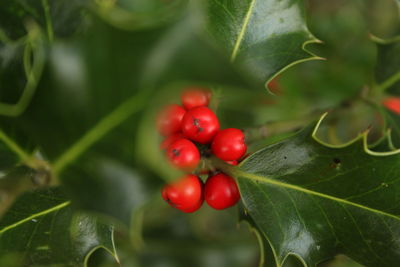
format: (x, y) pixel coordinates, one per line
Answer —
(254, 177)
(243, 30)
(360, 232)
(55, 208)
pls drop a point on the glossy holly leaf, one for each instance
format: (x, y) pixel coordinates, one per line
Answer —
(43, 229)
(265, 37)
(315, 201)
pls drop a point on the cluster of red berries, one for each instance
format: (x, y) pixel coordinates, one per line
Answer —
(192, 128)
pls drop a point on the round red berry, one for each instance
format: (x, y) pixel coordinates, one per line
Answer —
(169, 119)
(393, 104)
(195, 97)
(186, 194)
(229, 144)
(170, 139)
(221, 191)
(183, 154)
(200, 124)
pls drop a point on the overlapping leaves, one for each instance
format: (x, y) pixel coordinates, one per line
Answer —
(83, 117)
(315, 201)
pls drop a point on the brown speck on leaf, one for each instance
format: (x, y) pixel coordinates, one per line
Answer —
(335, 163)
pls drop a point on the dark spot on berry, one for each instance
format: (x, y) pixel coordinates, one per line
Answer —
(196, 123)
(176, 152)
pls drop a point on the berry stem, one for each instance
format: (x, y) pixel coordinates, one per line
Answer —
(389, 82)
(223, 166)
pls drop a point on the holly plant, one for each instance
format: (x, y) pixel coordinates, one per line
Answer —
(200, 133)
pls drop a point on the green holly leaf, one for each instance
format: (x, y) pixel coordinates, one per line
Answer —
(314, 201)
(265, 37)
(42, 229)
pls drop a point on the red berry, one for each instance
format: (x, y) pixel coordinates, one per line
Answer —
(221, 191)
(393, 104)
(186, 194)
(195, 97)
(229, 144)
(183, 154)
(200, 124)
(195, 207)
(169, 119)
(170, 139)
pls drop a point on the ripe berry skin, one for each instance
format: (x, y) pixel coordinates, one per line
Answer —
(200, 124)
(169, 119)
(186, 194)
(221, 191)
(195, 97)
(170, 139)
(393, 104)
(183, 154)
(229, 144)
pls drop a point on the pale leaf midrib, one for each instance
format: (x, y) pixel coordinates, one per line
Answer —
(55, 208)
(242, 30)
(254, 177)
